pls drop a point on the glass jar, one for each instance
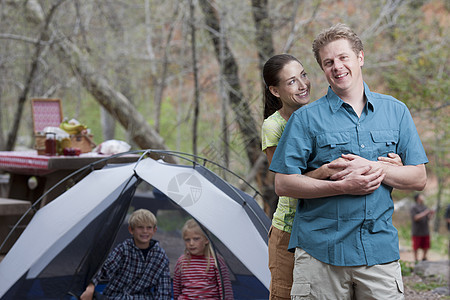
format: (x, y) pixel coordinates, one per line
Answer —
(50, 143)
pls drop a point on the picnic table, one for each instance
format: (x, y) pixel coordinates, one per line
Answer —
(32, 175)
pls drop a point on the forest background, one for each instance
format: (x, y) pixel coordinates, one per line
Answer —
(186, 75)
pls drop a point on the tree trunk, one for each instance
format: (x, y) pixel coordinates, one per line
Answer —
(437, 219)
(264, 45)
(161, 78)
(263, 28)
(223, 97)
(12, 136)
(240, 107)
(247, 124)
(196, 84)
(113, 101)
(2, 137)
(108, 124)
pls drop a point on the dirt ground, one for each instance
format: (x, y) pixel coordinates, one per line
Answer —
(406, 254)
(412, 294)
(409, 281)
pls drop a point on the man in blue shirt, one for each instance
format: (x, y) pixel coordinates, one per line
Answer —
(345, 243)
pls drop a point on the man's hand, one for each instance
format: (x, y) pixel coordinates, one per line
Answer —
(335, 166)
(398, 176)
(431, 213)
(361, 181)
(350, 163)
(324, 172)
(428, 212)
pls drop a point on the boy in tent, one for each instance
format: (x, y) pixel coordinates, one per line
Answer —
(138, 268)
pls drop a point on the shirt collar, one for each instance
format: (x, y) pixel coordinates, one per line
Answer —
(336, 102)
(132, 244)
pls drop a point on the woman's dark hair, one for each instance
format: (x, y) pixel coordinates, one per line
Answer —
(271, 71)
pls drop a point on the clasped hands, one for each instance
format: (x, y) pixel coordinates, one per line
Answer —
(360, 176)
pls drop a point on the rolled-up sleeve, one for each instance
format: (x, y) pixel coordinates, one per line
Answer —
(293, 149)
(410, 146)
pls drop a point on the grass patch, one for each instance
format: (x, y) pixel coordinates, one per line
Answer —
(404, 235)
(407, 267)
(422, 286)
(419, 284)
(440, 243)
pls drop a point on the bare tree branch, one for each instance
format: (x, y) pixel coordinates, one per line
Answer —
(148, 39)
(162, 78)
(296, 26)
(113, 101)
(10, 36)
(386, 19)
(240, 106)
(12, 136)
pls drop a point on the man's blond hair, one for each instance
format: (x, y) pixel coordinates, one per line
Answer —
(336, 32)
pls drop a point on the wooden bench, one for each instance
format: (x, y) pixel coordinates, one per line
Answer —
(10, 212)
(13, 207)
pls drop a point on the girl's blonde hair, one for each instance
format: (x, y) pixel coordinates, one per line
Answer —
(192, 225)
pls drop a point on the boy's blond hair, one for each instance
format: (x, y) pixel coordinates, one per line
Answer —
(142, 217)
(336, 32)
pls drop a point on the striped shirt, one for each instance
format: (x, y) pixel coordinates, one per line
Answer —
(193, 281)
(131, 276)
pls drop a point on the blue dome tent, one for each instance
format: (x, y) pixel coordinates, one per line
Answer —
(67, 240)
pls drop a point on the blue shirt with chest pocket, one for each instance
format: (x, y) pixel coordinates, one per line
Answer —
(347, 230)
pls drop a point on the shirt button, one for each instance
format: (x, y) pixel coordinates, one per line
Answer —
(362, 146)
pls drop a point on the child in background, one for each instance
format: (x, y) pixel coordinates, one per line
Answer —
(138, 268)
(196, 273)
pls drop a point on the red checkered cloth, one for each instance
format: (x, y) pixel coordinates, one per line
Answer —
(23, 160)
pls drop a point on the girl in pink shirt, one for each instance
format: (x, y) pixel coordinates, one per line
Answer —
(197, 270)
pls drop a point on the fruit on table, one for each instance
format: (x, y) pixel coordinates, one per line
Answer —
(66, 143)
(72, 128)
(71, 151)
(61, 144)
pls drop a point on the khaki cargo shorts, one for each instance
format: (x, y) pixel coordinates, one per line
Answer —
(314, 279)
